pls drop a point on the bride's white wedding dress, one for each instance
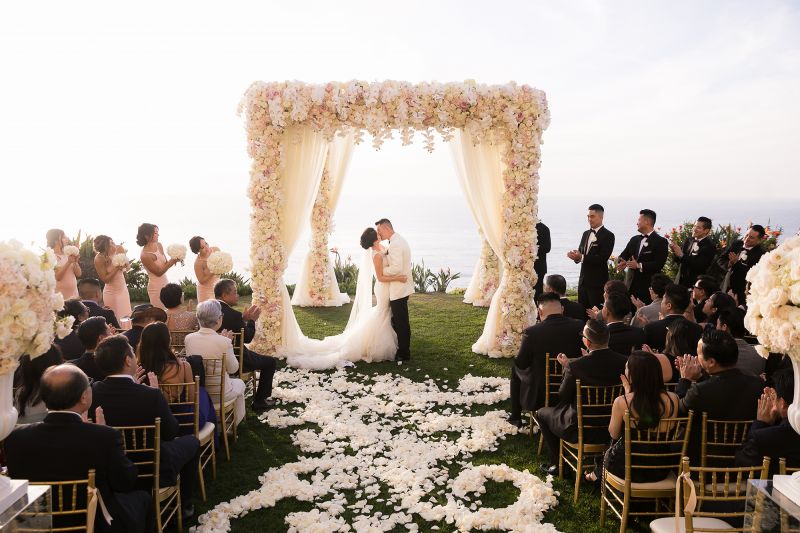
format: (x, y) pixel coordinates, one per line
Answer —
(368, 336)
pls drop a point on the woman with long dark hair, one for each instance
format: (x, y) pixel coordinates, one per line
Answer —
(28, 398)
(715, 304)
(154, 260)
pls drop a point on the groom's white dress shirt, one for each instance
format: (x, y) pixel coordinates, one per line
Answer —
(399, 262)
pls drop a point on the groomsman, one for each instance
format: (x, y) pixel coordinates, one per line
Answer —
(595, 248)
(644, 255)
(540, 265)
(696, 254)
(740, 257)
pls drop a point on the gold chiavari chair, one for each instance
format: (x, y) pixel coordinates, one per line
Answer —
(249, 378)
(593, 405)
(787, 525)
(177, 341)
(720, 439)
(646, 449)
(73, 505)
(671, 386)
(553, 373)
(142, 445)
(215, 385)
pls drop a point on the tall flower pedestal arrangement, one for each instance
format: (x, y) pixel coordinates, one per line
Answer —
(28, 325)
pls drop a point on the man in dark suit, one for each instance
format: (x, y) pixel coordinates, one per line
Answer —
(553, 335)
(597, 244)
(127, 402)
(91, 293)
(540, 265)
(91, 332)
(557, 284)
(600, 366)
(622, 338)
(740, 257)
(673, 306)
(233, 320)
(65, 447)
(644, 255)
(696, 254)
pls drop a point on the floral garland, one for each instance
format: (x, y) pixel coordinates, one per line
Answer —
(514, 115)
(489, 276)
(321, 228)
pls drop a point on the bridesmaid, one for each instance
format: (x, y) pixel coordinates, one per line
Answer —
(67, 269)
(115, 292)
(205, 279)
(154, 261)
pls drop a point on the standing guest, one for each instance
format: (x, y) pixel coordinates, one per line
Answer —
(205, 278)
(27, 390)
(716, 304)
(542, 249)
(64, 447)
(91, 332)
(115, 292)
(92, 297)
(696, 254)
(154, 261)
(646, 313)
(644, 255)
(142, 315)
(595, 248)
(68, 270)
(179, 318)
(702, 290)
(740, 257)
(233, 320)
(557, 284)
(554, 334)
(622, 338)
(673, 306)
(749, 362)
(71, 346)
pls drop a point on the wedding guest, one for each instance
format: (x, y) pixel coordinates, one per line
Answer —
(611, 286)
(27, 389)
(696, 254)
(681, 340)
(622, 338)
(749, 362)
(209, 344)
(644, 255)
(154, 261)
(702, 290)
(553, 334)
(233, 320)
(673, 305)
(205, 278)
(557, 284)
(71, 346)
(65, 447)
(142, 315)
(715, 304)
(179, 318)
(115, 291)
(647, 313)
(595, 248)
(68, 268)
(542, 249)
(92, 297)
(739, 258)
(126, 401)
(600, 366)
(91, 332)
(770, 434)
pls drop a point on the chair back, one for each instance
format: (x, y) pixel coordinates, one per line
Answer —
(658, 448)
(142, 445)
(553, 374)
(786, 470)
(177, 340)
(720, 439)
(671, 386)
(71, 502)
(184, 402)
(593, 405)
(238, 344)
(215, 378)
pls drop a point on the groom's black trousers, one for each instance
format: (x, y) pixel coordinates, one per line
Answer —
(401, 327)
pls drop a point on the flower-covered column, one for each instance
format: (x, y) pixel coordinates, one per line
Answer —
(319, 260)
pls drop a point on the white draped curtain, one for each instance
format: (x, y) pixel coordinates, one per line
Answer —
(485, 277)
(339, 153)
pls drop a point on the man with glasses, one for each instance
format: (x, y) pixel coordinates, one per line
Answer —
(696, 254)
(739, 258)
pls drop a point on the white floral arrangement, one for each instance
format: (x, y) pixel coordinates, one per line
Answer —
(489, 275)
(773, 304)
(28, 302)
(120, 260)
(71, 250)
(511, 114)
(321, 228)
(177, 251)
(220, 263)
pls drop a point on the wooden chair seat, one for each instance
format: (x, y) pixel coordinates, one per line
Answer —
(668, 525)
(654, 489)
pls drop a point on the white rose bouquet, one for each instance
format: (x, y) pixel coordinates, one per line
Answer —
(120, 260)
(71, 250)
(220, 263)
(177, 251)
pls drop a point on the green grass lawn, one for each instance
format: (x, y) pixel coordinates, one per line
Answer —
(443, 331)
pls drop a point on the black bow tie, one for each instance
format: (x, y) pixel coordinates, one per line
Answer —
(593, 231)
(644, 237)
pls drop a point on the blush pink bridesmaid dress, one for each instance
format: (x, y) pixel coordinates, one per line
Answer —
(68, 284)
(156, 283)
(205, 291)
(115, 296)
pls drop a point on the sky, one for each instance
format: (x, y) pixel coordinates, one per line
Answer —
(130, 110)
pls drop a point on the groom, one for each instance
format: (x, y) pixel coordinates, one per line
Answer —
(398, 256)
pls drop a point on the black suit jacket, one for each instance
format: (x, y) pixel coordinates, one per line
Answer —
(773, 441)
(651, 259)
(71, 346)
(133, 335)
(594, 267)
(624, 339)
(694, 264)
(740, 268)
(543, 242)
(63, 447)
(556, 334)
(87, 363)
(233, 320)
(126, 403)
(656, 332)
(96, 310)
(574, 310)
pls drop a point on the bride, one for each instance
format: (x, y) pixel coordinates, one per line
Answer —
(369, 335)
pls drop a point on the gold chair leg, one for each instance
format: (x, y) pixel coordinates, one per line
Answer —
(603, 502)
(179, 510)
(159, 525)
(560, 459)
(201, 479)
(623, 523)
(214, 458)
(540, 447)
(578, 476)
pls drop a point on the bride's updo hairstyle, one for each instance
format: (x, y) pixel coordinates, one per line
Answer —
(368, 238)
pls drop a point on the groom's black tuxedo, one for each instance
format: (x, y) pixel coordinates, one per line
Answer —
(738, 271)
(594, 266)
(650, 252)
(694, 264)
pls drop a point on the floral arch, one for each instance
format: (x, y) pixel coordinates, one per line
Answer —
(297, 134)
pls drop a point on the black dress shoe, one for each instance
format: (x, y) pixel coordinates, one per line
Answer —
(515, 422)
(263, 405)
(187, 513)
(549, 469)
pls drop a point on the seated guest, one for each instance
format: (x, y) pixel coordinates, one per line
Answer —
(209, 344)
(178, 317)
(91, 332)
(92, 296)
(696, 254)
(142, 315)
(740, 257)
(771, 435)
(557, 284)
(27, 390)
(680, 341)
(127, 402)
(673, 305)
(650, 312)
(623, 339)
(554, 334)
(611, 286)
(749, 362)
(702, 290)
(233, 320)
(601, 366)
(71, 346)
(715, 304)
(65, 447)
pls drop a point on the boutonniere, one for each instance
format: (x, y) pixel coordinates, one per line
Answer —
(743, 255)
(592, 239)
(644, 244)
(695, 248)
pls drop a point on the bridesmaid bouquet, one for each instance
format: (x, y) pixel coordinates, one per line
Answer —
(119, 260)
(71, 250)
(220, 263)
(177, 251)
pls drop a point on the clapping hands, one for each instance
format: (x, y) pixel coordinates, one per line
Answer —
(689, 367)
(575, 255)
(563, 360)
(228, 334)
(768, 406)
(251, 313)
(146, 378)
